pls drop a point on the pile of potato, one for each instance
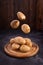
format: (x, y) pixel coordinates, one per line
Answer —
(21, 44)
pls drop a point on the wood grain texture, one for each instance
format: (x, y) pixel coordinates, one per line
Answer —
(39, 16)
(33, 9)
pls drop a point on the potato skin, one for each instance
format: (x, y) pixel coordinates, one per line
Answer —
(25, 28)
(15, 46)
(20, 40)
(24, 48)
(21, 16)
(15, 24)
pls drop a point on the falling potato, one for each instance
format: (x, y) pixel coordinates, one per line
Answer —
(15, 24)
(20, 40)
(21, 16)
(15, 46)
(25, 28)
(24, 48)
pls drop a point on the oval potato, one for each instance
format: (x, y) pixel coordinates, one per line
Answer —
(15, 24)
(21, 16)
(20, 40)
(12, 40)
(15, 46)
(28, 42)
(25, 28)
(24, 48)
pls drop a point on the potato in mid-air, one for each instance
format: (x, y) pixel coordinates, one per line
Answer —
(20, 40)
(21, 16)
(25, 28)
(15, 46)
(24, 48)
(15, 24)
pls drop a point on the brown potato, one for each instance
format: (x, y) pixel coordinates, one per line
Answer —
(20, 40)
(25, 28)
(28, 42)
(24, 48)
(15, 46)
(15, 24)
(12, 40)
(21, 16)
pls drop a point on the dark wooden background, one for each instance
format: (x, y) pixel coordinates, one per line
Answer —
(33, 9)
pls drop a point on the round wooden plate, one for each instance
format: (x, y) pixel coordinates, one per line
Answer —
(19, 54)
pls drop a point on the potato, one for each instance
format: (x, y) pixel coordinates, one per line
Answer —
(15, 46)
(21, 16)
(25, 28)
(12, 40)
(24, 48)
(15, 24)
(20, 40)
(28, 42)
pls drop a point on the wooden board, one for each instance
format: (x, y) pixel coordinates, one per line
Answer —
(19, 54)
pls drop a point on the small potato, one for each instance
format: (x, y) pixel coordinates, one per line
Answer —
(15, 24)
(25, 28)
(28, 42)
(20, 40)
(15, 46)
(21, 16)
(24, 48)
(12, 40)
